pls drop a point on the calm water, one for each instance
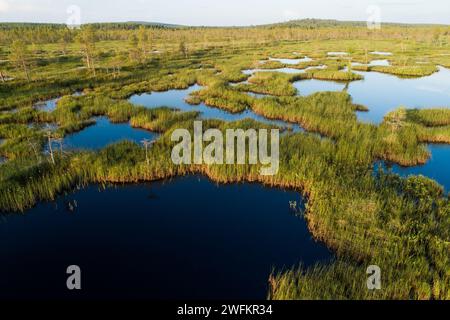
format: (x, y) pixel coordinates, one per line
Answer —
(380, 62)
(292, 61)
(284, 70)
(176, 99)
(47, 106)
(187, 238)
(103, 133)
(50, 105)
(437, 168)
(382, 93)
(381, 53)
(310, 86)
(337, 53)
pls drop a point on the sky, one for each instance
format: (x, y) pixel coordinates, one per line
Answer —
(223, 12)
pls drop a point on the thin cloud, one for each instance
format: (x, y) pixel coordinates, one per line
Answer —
(291, 14)
(8, 6)
(4, 6)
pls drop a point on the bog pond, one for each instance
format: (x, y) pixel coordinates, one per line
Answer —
(382, 93)
(103, 133)
(437, 168)
(378, 91)
(185, 238)
(176, 99)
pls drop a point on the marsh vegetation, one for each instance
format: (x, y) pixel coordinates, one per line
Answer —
(399, 223)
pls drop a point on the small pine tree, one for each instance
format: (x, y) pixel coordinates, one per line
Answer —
(87, 39)
(19, 57)
(143, 40)
(183, 49)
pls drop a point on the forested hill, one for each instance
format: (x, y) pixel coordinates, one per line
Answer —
(303, 23)
(329, 23)
(296, 30)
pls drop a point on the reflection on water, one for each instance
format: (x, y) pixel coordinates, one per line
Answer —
(437, 168)
(310, 86)
(292, 61)
(183, 239)
(373, 63)
(50, 105)
(47, 106)
(283, 70)
(382, 62)
(176, 99)
(382, 93)
(103, 133)
(381, 53)
(337, 53)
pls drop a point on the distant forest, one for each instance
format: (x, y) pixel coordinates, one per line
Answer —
(301, 30)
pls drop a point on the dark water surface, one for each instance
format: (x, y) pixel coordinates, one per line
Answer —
(103, 133)
(437, 168)
(187, 238)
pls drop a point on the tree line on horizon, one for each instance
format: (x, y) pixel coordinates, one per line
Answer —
(301, 30)
(22, 45)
